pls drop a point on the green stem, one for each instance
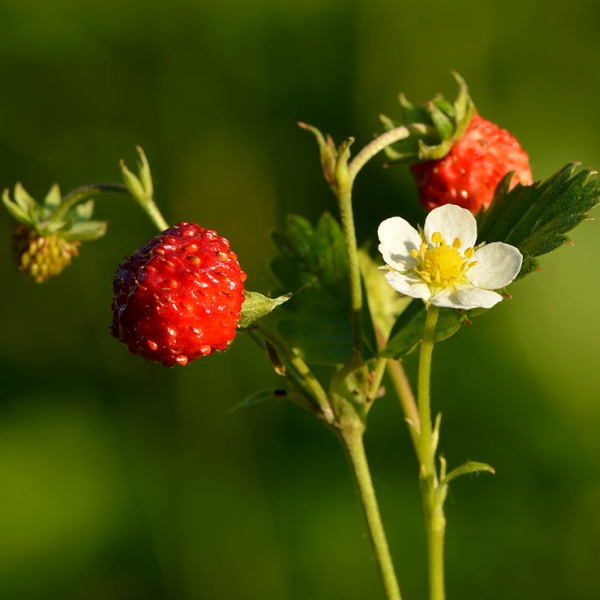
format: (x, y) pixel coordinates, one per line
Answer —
(313, 386)
(345, 174)
(82, 193)
(344, 195)
(407, 399)
(353, 443)
(403, 389)
(375, 147)
(432, 501)
(78, 194)
(154, 214)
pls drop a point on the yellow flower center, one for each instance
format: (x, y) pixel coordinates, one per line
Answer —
(442, 265)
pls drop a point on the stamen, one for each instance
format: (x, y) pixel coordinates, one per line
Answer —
(415, 253)
(456, 244)
(468, 253)
(436, 238)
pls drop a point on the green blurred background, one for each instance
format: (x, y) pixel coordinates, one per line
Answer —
(122, 479)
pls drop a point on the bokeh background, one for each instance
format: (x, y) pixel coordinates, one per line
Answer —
(122, 479)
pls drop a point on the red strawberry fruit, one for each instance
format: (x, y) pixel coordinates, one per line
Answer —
(455, 155)
(179, 296)
(469, 173)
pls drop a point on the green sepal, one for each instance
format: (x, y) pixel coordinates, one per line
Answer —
(53, 197)
(133, 184)
(67, 218)
(328, 153)
(24, 200)
(16, 210)
(317, 319)
(435, 126)
(537, 218)
(442, 121)
(82, 212)
(256, 306)
(85, 231)
(465, 469)
(145, 174)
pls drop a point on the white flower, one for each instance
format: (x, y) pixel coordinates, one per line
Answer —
(440, 264)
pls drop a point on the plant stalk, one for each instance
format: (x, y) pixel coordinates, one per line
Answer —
(344, 195)
(435, 521)
(352, 441)
(375, 147)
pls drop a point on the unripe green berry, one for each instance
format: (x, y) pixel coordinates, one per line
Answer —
(41, 257)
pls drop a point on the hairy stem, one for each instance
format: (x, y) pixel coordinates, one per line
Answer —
(83, 193)
(435, 522)
(353, 443)
(344, 195)
(375, 147)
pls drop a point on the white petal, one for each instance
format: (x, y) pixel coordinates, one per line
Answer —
(497, 265)
(466, 297)
(409, 285)
(398, 237)
(452, 222)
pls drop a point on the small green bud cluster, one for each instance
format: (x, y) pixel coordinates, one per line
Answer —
(48, 234)
(41, 257)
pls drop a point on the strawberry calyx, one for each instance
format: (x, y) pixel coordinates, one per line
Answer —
(434, 126)
(47, 235)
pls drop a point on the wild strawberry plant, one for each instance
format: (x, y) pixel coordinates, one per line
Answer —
(181, 295)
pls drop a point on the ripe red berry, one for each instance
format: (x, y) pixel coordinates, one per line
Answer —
(469, 173)
(179, 296)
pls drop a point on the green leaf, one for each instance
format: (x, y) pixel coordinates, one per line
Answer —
(536, 218)
(23, 199)
(316, 320)
(408, 329)
(467, 468)
(256, 306)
